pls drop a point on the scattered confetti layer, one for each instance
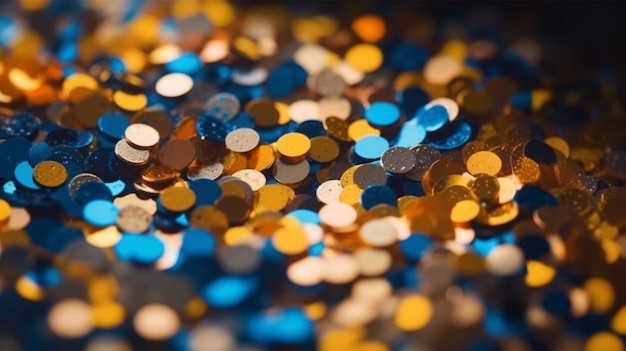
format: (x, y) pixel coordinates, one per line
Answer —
(201, 175)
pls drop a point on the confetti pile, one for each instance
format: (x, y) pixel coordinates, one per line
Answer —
(203, 175)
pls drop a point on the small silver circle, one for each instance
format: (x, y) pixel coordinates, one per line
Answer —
(242, 140)
(130, 155)
(223, 106)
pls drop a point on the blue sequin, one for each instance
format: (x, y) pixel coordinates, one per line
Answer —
(432, 118)
(65, 154)
(270, 135)
(457, 135)
(198, 242)
(187, 62)
(99, 163)
(311, 128)
(12, 152)
(378, 194)
(407, 56)
(371, 147)
(382, 114)
(484, 246)
(67, 52)
(416, 246)
(39, 152)
(9, 30)
(144, 249)
(207, 191)
(21, 124)
(284, 79)
(532, 197)
(410, 134)
(113, 125)
(305, 216)
(59, 238)
(100, 213)
(229, 291)
(288, 326)
(24, 175)
(92, 191)
(62, 136)
(211, 128)
(241, 120)
(65, 201)
(84, 139)
(116, 187)
(521, 100)
(316, 249)
(9, 187)
(412, 99)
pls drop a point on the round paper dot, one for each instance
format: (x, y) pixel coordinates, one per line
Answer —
(100, 213)
(141, 135)
(173, 85)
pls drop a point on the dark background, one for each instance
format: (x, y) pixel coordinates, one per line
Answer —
(575, 35)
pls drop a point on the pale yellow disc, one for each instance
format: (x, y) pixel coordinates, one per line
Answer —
(70, 318)
(141, 135)
(307, 271)
(559, 144)
(464, 211)
(413, 313)
(604, 341)
(290, 242)
(372, 262)
(441, 69)
(173, 85)
(618, 322)
(79, 80)
(340, 269)
(293, 145)
(156, 321)
(360, 129)
(5, 210)
(364, 57)
(538, 274)
(338, 215)
(304, 110)
(129, 102)
(484, 162)
(372, 290)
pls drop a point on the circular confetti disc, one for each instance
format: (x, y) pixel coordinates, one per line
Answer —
(50, 174)
(5, 210)
(242, 140)
(141, 135)
(177, 199)
(323, 149)
(100, 213)
(432, 118)
(371, 147)
(464, 211)
(173, 85)
(134, 219)
(293, 145)
(484, 162)
(177, 154)
(364, 57)
(382, 114)
(131, 155)
(397, 160)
